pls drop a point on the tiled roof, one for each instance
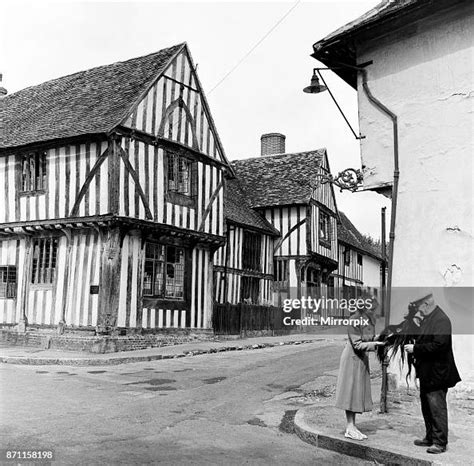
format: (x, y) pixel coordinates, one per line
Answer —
(92, 101)
(278, 179)
(349, 234)
(338, 47)
(378, 13)
(237, 209)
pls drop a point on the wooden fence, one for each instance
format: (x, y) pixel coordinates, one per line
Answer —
(234, 319)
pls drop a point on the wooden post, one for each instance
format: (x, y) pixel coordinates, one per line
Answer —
(66, 289)
(384, 262)
(109, 286)
(23, 323)
(114, 174)
(383, 392)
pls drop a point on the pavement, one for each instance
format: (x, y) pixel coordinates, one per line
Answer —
(390, 435)
(38, 356)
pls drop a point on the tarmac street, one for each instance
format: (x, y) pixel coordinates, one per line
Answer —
(223, 409)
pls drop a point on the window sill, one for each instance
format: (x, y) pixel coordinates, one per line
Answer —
(162, 298)
(154, 302)
(41, 286)
(325, 244)
(180, 199)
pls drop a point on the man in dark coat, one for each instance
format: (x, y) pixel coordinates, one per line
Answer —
(436, 370)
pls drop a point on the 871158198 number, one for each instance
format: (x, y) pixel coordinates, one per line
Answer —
(28, 455)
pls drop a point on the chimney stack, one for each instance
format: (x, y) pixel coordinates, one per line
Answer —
(3, 91)
(272, 143)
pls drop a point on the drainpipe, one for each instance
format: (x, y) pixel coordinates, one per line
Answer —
(393, 216)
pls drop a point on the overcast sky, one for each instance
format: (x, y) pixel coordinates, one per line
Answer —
(43, 40)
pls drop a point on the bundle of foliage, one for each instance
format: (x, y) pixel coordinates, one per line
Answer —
(397, 336)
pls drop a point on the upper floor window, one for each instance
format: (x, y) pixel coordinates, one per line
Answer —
(8, 281)
(33, 172)
(181, 182)
(359, 259)
(324, 229)
(45, 251)
(164, 271)
(347, 256)
(280, 270)
(251, 251)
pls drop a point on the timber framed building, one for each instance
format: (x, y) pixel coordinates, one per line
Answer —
(113, 185)
(319, 251)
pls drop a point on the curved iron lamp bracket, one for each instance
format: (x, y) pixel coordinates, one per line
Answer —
(349, 179)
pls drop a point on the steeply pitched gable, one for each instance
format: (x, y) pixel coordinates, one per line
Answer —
(174, 107)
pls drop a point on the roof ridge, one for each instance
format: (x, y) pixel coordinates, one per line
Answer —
(267, 156)
(50, 81)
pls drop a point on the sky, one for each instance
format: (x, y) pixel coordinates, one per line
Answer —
(43, 40)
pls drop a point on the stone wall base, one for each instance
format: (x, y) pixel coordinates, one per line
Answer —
(88, 342)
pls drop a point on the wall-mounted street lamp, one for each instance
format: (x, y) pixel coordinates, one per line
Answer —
(316, 88)
(350, 178)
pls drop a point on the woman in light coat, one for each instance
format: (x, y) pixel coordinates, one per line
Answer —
(353, 392)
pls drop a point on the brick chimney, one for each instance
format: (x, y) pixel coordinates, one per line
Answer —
(272, 143)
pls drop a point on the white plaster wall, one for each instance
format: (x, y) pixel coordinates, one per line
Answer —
(424, 74)
(371, 272)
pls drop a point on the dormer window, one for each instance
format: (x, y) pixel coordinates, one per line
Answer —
(33, 173)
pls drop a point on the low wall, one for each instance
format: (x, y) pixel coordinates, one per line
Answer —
(103, 343)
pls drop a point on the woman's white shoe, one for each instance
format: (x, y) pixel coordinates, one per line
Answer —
(354, 435)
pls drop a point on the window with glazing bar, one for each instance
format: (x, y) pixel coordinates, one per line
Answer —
(280, 270)
(33, 172)
(324, 229)
(180, 174)
(45, 251)
(251, 251)
(164, 271)
(8, 281)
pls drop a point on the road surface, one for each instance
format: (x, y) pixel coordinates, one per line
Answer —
(216, 409)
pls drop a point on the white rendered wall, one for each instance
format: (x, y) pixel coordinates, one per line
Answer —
(371, 272)
(424, 74)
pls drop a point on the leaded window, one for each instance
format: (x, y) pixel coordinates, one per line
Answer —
(179, 175)
(8, 281)
(33, 172)
(324, 229)
(45, 251)
(164, 271)
(252, 251)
